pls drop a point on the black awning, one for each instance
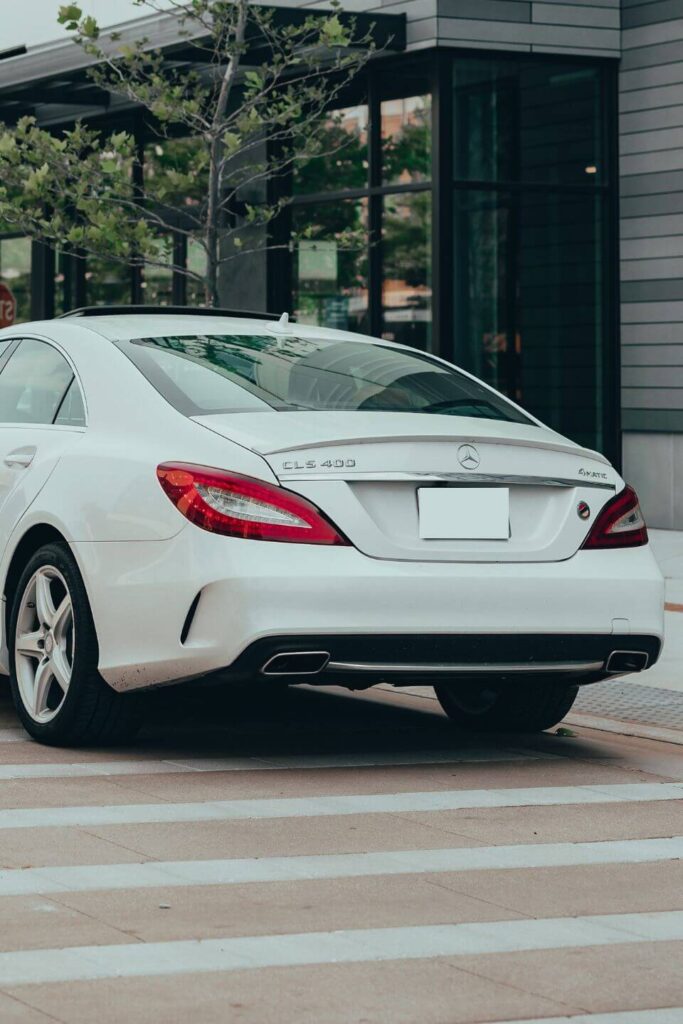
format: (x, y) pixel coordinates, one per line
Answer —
(52, 83)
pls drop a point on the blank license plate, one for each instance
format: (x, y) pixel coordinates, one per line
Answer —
(464, 513)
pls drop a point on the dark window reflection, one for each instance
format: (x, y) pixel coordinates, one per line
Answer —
(176, 174)
(107, 282)
(343, 159)
(406, 269)
(330, 265)
(406, 140)
(524, 121)
(528, 302)
(157, 286)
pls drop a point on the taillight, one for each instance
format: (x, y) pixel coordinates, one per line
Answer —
(240, 506)
(620, 524)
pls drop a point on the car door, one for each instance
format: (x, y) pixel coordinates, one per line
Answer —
(41, 413)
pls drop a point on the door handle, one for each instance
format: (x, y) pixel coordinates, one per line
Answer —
(21, 457)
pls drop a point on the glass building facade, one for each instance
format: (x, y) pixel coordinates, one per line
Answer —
(475, 207)
(464, 205)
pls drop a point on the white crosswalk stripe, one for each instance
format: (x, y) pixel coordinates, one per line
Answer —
(88, 878)
(319, 806)
(83, 963)
(173, 902)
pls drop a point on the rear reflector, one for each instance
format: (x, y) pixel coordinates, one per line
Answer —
(239, 506)
(620, 524)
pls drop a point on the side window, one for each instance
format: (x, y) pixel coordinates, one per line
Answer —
(71, 412)
(33, 383)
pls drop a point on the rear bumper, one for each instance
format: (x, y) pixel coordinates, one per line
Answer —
(361, 660)
(253, 591)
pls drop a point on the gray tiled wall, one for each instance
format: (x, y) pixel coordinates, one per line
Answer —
(651, 164)
(651, 168)
(589, 27)
(542, 26)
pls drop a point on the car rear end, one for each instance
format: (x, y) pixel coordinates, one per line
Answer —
(451, 538)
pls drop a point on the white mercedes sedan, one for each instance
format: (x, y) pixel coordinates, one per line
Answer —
(189, 495)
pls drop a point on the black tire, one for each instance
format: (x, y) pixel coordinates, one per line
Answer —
(526, 705)
(90, 713)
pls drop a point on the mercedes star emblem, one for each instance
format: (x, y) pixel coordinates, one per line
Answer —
(468, 456)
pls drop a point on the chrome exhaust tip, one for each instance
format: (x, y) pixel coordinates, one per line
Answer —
(626, 661)
(296, 663)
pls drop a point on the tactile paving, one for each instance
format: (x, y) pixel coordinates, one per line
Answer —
(632, 702)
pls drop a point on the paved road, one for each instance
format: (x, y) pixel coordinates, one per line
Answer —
(334, 859)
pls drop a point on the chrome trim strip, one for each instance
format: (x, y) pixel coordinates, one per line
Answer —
(470, 478)
(469, 669)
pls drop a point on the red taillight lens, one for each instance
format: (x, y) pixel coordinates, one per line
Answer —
(239, 506)
(620, 524)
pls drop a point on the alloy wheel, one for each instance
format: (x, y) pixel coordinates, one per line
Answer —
(44, 644)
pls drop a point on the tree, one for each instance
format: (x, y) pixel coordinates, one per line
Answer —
(231, 122)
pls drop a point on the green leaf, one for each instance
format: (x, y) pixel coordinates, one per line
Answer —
(36, 180)
(69, 13)
(89, 28)
(8, 144)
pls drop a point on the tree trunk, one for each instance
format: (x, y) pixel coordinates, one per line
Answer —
(211, 280)
(213, 213)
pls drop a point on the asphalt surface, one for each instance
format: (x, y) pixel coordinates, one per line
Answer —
(339, 859)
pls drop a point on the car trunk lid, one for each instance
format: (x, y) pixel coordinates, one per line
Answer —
(369, 472)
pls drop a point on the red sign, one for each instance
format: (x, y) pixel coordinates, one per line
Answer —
(8, 306)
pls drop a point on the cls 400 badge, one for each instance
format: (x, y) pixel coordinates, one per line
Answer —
(324, 464)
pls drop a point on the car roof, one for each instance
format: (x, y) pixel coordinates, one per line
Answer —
(128, 326)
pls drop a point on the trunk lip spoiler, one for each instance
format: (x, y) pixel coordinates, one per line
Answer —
(473, 478)
(518, 442)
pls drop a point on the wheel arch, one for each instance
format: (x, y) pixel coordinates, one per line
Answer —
(34, 538)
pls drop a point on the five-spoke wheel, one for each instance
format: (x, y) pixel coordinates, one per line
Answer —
(44, 643)
(58, 691)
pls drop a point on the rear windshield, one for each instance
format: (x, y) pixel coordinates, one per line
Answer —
(206, 374)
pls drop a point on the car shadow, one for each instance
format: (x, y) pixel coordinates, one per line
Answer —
(202, 721)
(253, 722)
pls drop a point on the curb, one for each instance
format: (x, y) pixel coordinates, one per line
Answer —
(637, 729)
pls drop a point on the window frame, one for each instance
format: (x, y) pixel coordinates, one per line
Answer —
(607, 189)
(5, 356)
(373, 90)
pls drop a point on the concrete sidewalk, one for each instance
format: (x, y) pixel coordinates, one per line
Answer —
(651, 703)
(667, 674)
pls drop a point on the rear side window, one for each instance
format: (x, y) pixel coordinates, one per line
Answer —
(240, 373)
(71, 412)
(34, 384)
